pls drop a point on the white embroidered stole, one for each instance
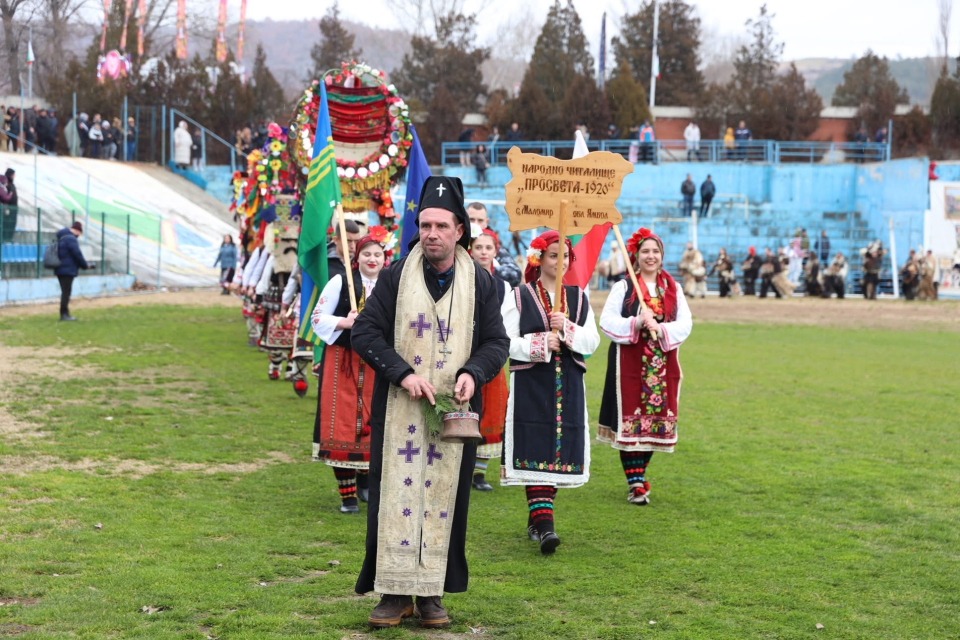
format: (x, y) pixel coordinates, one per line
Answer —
(418, 486)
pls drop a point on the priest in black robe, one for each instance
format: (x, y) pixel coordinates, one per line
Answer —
(410, 564)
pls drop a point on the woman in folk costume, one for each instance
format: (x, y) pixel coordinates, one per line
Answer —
(341, 433)
(638, 413)
(546, 440)
(484, 249)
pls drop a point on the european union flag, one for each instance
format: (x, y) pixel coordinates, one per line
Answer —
(417, 173)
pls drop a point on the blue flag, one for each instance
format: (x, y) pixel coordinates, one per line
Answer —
(417, 173)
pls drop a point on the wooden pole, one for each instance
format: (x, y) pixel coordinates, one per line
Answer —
(345, 247)
(633, 274)
(561, 251)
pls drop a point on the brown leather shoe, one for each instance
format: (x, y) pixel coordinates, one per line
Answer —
(391, 610)
(431, 613)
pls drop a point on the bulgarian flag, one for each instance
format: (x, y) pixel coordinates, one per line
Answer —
(319, 203)
(586, 248)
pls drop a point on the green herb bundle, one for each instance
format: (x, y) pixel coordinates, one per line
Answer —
(433, 413)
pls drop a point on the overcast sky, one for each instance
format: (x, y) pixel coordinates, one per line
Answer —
(809, 28)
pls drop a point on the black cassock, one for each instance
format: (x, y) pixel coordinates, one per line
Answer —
(373, 340)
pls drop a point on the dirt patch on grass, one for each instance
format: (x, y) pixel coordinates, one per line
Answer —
(27, 465)
(849, 313)
(185, 297)
(15, 629)
(310, 575)
(26, 602)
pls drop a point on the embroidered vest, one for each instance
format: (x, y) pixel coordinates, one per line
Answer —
(535, 319)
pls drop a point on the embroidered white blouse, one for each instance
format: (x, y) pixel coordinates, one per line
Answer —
(621, 330)
(533, 346)
(323, 321)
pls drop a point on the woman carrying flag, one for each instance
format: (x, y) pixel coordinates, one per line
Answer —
(341, 435)
(638, 413)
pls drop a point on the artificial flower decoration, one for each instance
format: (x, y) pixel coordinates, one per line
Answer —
(475, 230)
(274, 130)
(633, 244)
(535, 251)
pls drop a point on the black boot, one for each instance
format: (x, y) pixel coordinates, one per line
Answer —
(480, 483)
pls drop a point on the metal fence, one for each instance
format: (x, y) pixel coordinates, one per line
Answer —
(770, 151)
(26, 232)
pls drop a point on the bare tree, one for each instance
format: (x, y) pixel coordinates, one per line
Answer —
(944, 11)
(511, 45)
(415, 15)
(12, 31)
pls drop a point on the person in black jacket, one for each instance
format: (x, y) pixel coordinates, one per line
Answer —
(71, 261)
(688, 189)
(707, 190)
(439, 274)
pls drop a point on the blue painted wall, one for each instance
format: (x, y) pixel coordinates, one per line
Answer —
(25, 289)
(852, 202)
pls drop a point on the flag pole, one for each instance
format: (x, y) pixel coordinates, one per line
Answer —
(633, 274)
(654, 62)
(345, 247)
(561, 251)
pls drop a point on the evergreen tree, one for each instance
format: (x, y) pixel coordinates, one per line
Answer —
(912, 134)
(449, 58)
(774, 107)
(268, 99)
(678, 47)
(443, 122)
(585, 104)
(869, 86)
(533, 111)
(628, 100)
(561, 52)
(335, 46)
(945, 113)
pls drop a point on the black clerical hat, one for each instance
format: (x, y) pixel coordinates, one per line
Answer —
(444, 192)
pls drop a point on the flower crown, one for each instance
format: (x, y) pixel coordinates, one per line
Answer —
(383, 237)
(536, 251)
(633, 244)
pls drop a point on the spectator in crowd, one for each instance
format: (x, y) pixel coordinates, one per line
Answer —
(44, 134)
(12, 124)
(54, 132)
(83, 133)
(71, 261)
(96, 139)
(30, 128)
(742, 135)
(480, 164)
(504, 265)
(692, 135)
(860, 139)
(955, 276)
(246, 142)
(3, 128)
(97, 118)
(494, 136)
(647, 139)
(688, 189)
(729, 142)
(196, 150)
(514, 135)
(616, 267)
(464, 138)
(707, 190)
(14, 199)
(932, 171)
(613, 133)
(183, 141)
(7, 194)
(834, 277)
(881, 136)
(751, 271)
(804, 241)
(71, 133)
(910, 276)
(109, 141)
(823, 247)
(131, 139)
(634, 136)
(227, 259)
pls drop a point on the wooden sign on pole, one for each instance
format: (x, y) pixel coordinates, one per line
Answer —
(590, 185)
(568, 196)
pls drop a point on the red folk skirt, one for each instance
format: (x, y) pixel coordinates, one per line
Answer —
(342, 431)
(494, 395)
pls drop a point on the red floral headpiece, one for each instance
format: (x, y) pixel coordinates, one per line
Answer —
(379, 235)
(633, 244)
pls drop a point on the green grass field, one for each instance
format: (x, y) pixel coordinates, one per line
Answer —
(816, 482)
